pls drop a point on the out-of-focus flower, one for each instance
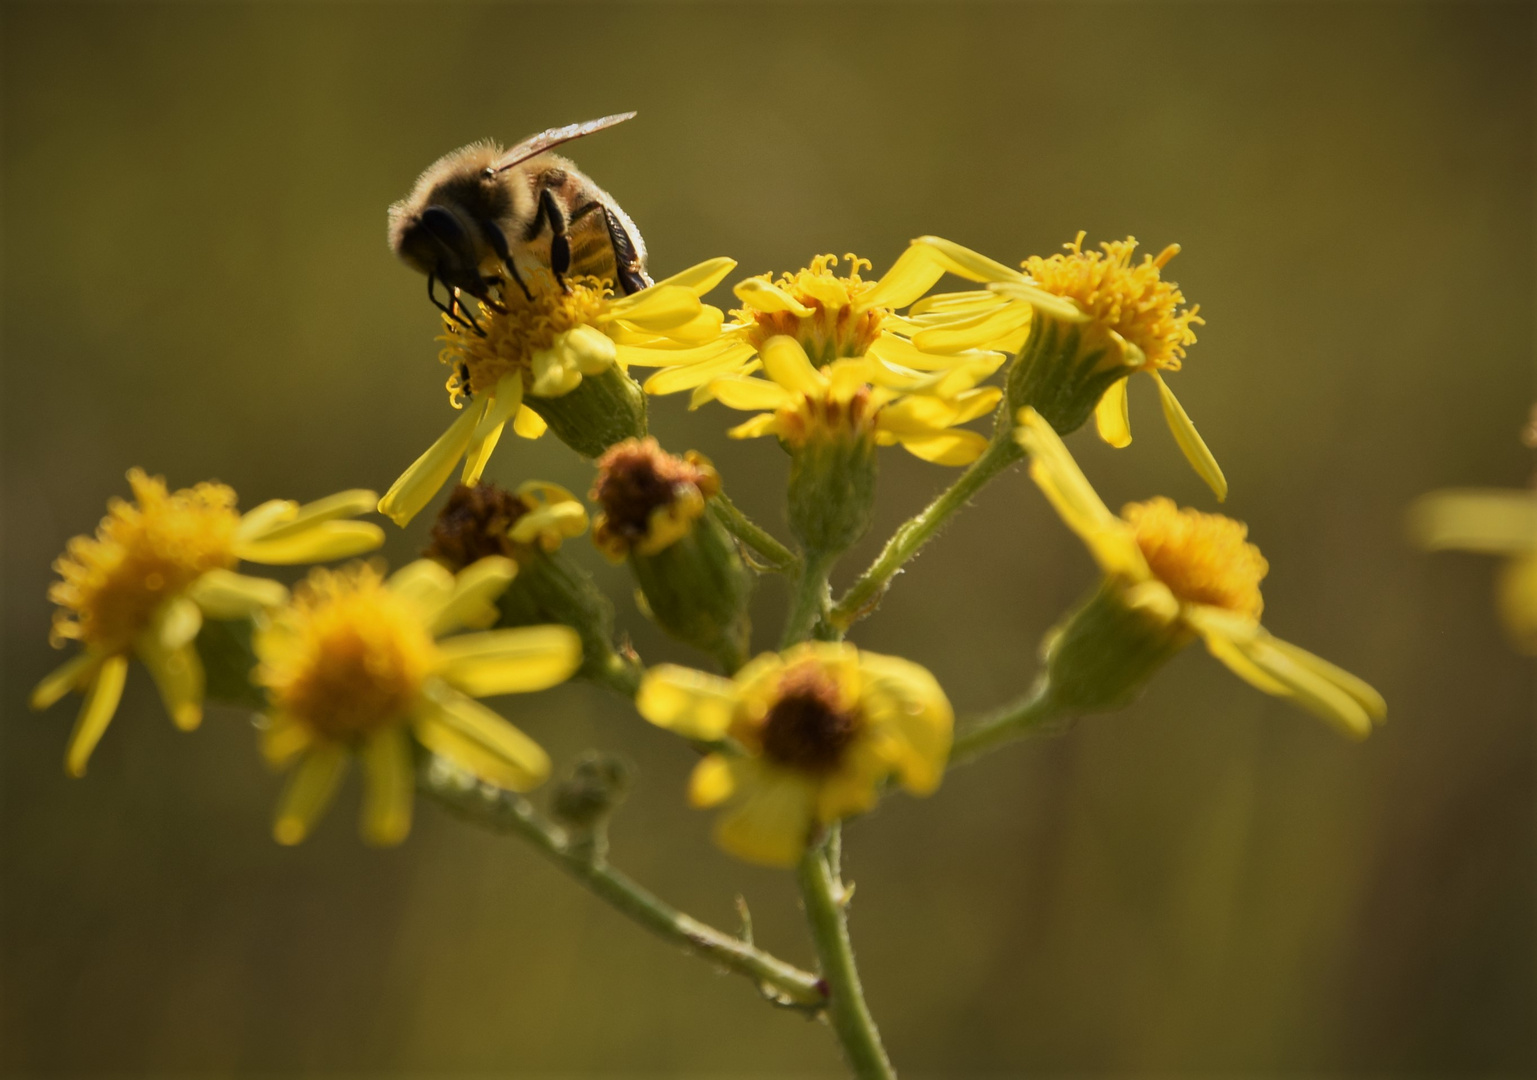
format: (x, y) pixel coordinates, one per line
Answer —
(1172, 575)
(1489, 521)
(819, 728)
(156, 566)
(483, 519)
(552, 360)
(352, 666)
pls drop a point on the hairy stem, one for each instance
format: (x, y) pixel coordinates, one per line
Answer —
(824, 897)
(502, 811)
(906, 542)
(809, 603)
(774, 555)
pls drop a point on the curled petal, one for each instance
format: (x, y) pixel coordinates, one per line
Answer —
(421, 481)
(1112, 416)
(101, 697)
(1190, 441)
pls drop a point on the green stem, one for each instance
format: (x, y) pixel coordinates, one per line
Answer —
(502, 811)
(906, 542)
(776, 557)
(1031, 714)
(809, 603)
(824, 897)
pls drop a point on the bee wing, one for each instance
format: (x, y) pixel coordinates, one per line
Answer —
(538, 144)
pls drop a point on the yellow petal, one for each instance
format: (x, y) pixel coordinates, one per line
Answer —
(419, 483)
(224, 594)
(749, 394)
(1190, 441)
(786, 363)
(472, 597)
(269, 515)
(70, 675)
(953, 447)
(768, 298)
(660, 308)
(1058, 307)
(698, 279)
(1113, 415)
(1109, 539)
(506, 400)
(907, 700)
(101, 698)
(673, 379)
(925, 261)
(320, 542)
(902, 352)
(1518, 601)
(283, 738)
(642, 356)
(712, 781)
(388, 786)
(344, 504)
(772, 820)
(685, 701)
(511, 661)
(528, 424)
(479, 453)
(1489, 520)
(758, 426)
(309, 792)
(178, 673)
(481, 742)
(980, 332)
(424, 582)
(702, 329)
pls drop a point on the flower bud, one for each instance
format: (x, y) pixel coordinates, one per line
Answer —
(595, 787)
(1065, 368)
(691, 577)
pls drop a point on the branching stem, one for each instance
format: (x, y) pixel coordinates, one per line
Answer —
(775, 556)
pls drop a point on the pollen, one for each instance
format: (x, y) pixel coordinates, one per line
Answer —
(808, 728)
(144, 553)
(516, 330)
(834, 327)
(1202, 558)
(1133, 300)
(347, 657)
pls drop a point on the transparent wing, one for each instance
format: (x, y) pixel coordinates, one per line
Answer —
(545, 140)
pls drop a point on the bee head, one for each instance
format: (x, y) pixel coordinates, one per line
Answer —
(442, 243)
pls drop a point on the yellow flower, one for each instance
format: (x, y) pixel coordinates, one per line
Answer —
(155, 568)
(1490, 522)
(352, 666)
(529, 360)
(1081, 322)
(483, 519)
(818, 729)
(1178, 574)
(839, 362)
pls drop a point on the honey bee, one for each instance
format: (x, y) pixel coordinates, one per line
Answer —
(482, 206)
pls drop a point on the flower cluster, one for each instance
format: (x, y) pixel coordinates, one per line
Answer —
(832, 364)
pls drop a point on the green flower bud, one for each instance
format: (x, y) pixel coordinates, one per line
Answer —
(832, 478)
(1065, 368)
(690, 574)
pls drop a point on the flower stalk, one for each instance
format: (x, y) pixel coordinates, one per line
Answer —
(826, 899)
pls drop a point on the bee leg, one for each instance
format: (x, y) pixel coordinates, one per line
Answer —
(632, 278)
(560, 245)
(498, 240)
(453, 311)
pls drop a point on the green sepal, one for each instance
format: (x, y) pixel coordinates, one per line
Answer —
(697, 588)
(1062, 372)
(603, 410)
(1101, 655)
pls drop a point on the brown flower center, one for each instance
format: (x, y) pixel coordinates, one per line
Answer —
(474, 523)
(808, 728)
(637, 477)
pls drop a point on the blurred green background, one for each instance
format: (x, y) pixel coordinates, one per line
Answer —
(196, 281)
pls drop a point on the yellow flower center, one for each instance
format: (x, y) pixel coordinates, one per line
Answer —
(808, 728)
(1202, 558)
(515, 331)
(144, 553)
(1134, 301)
(348, 656)
(833, 329)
